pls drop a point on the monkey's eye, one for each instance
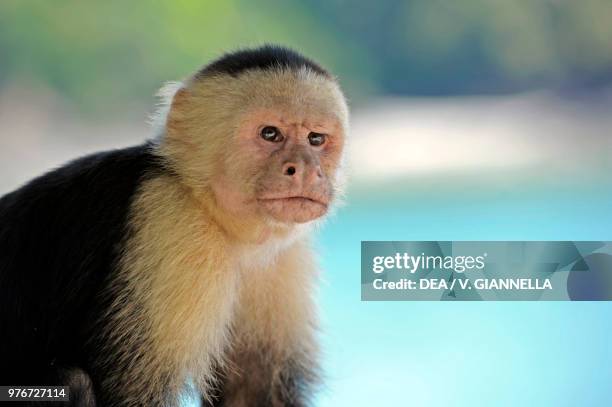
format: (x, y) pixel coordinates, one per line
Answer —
(271, 134)
(316, 139)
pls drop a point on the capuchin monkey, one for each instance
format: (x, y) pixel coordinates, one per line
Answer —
(129, 273)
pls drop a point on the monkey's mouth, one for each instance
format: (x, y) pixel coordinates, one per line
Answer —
(298, 208)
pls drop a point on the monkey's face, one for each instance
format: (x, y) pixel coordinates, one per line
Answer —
(267, 144)
(290, 161)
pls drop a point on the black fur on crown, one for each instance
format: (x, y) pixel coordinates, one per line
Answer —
(263, 58)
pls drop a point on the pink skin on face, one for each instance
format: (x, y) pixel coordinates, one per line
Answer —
(288, 180)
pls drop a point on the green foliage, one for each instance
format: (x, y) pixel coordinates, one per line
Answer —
(97, 53)
(474, 46)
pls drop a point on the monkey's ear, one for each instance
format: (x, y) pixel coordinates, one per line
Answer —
(176, 122)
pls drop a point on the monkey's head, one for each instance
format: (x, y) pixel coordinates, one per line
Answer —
(258, 135)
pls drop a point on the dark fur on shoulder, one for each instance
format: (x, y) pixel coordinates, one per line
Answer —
(59, 239)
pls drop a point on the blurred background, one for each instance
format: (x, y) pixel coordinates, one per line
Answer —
(471, 120)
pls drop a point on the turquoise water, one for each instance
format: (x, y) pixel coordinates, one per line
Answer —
(465, 354)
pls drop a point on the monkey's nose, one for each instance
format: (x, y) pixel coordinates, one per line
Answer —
(290, 169)
(313, 174)
(304, 173)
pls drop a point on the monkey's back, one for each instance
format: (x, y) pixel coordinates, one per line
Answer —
(60, 240)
